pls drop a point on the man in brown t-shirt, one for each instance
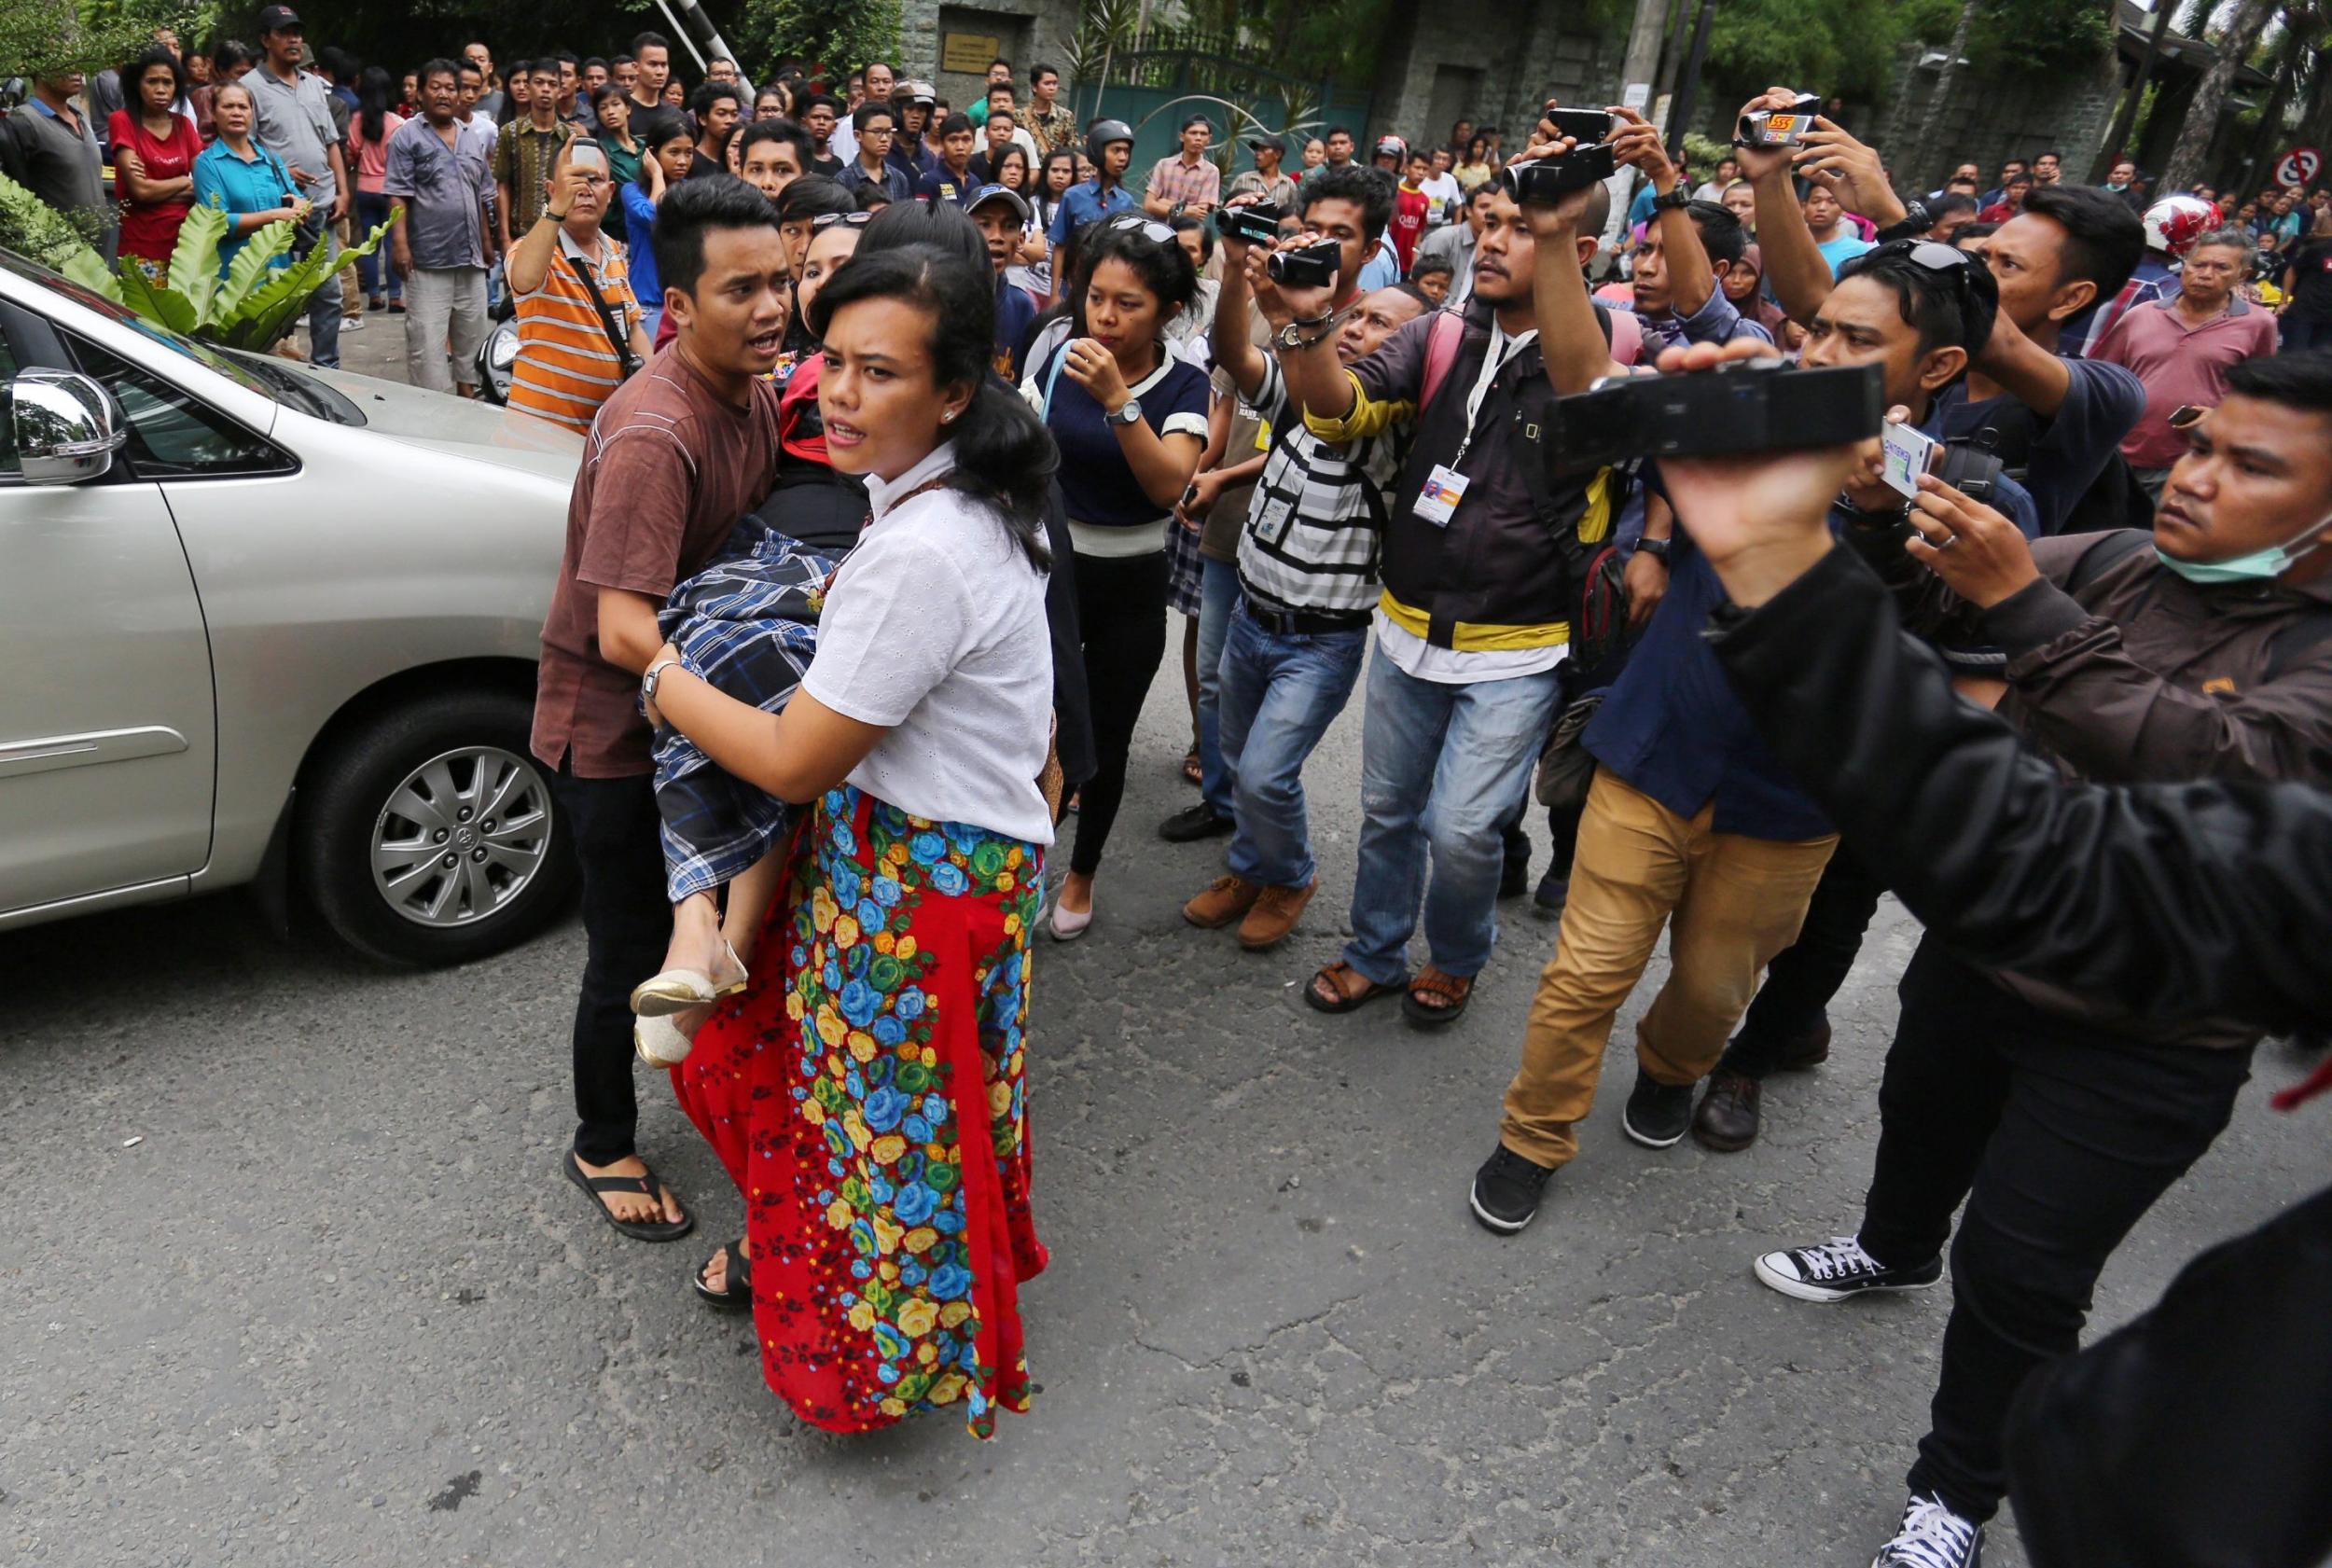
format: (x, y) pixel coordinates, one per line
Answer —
(676, 456)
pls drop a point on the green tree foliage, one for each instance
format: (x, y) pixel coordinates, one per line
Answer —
(2038, 35)
(45, 37)
(838, 34)
(1847, 46)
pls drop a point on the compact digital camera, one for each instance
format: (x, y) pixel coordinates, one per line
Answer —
(1584, 126)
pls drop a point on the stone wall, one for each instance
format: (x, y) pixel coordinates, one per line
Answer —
(1990, 118)
(1523, 52)
(1028, 30)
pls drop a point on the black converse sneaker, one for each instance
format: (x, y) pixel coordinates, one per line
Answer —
(1838, 1268)
(1506, 1190)
(1932, 1537)
(1658, 1113)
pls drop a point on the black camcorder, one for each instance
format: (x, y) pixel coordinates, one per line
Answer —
(1778, 128)
(1311, 266)
(1258, 223)
(1747, 406)
(1547, 180)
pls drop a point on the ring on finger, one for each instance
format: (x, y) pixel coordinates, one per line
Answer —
(1945, 543)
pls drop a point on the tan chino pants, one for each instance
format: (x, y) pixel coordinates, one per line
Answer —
(1729, 903)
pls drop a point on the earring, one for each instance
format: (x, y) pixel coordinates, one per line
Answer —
(948, 418)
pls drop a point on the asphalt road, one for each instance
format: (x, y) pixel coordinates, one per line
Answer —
(290, 1277)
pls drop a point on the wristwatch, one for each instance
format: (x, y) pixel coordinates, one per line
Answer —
(1129, 412)
(1916, 221)
(1292, 335)
(655, 672)
(1656, 548)
(1667, 201)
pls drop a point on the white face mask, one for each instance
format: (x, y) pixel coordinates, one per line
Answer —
(2260, 565)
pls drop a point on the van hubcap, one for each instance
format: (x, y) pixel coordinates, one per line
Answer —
(462, 837)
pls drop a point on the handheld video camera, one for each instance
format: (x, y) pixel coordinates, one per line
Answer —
(1750, 405)
(1258, 223)
(1311, 266)
(1777, 128)
(1547, 180)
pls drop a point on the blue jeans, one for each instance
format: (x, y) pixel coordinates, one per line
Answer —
(1440, 766)
(376, 274)
(1219, 591)
(324, 311)
(1279, 695)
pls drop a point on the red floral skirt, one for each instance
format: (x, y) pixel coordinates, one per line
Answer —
(865, 1095)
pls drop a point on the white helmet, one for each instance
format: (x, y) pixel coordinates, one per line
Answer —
(2174, 223)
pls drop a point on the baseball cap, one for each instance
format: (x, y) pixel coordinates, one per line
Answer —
(274, 19)
(1261, 143)
(988, 193)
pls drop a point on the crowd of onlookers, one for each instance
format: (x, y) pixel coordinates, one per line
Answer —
(1314, 431)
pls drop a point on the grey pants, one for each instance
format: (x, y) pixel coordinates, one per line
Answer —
(444, 307)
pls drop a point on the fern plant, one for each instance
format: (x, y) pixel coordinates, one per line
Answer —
(252, 307)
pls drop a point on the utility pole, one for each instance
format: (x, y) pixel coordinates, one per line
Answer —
(1688, 85)
(1643, 47)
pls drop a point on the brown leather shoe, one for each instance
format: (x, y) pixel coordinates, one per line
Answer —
(1727, 1119)
(1274, 916)
(1225, 900)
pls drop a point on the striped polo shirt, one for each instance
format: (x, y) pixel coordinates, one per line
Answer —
(567, 368)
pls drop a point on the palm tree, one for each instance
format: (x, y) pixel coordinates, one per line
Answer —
(2202, 123)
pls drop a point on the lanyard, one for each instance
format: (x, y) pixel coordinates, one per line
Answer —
(1502, 349)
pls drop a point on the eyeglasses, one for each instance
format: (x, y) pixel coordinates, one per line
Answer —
(1148, 228)
(851, 220)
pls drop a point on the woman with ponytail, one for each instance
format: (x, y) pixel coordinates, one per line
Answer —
(864, 1089)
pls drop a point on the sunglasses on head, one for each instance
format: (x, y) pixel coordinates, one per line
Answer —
(1148, 228)
(828, 220)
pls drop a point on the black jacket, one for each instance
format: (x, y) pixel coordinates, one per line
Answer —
(2176, 900)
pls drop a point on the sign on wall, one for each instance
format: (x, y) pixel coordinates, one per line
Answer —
(968, 53)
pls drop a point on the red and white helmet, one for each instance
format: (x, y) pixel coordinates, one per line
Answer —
(2174, 223)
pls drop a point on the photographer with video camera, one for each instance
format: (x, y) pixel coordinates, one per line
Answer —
(1689, 818)
(1478, 561)
(1306, 555)
(2183, 902)
(2056, 423)
(1685, 254)
(1917, 310)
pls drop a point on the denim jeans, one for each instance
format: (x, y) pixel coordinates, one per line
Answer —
(1279, 695)
(324, 311)
(377, 273)
(1219, 591)
(1440, 766)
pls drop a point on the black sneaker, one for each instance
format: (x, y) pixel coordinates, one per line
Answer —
(1514, 877)
(1553, 893)
(1932, 1537)
(1506, 1190)
(1194, 823)
(1802, 1051)
(1658, 1113)
(1838, 1268)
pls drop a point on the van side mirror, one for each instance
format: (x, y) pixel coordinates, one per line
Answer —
(62, 425)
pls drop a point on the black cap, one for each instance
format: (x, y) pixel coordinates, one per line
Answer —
(1260, 142)
(274, 19)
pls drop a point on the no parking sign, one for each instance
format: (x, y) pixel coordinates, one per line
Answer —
(2298, 167)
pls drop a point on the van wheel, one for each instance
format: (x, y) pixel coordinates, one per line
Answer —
(431, 836)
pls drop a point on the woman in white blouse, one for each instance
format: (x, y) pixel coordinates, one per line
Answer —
(865, 1091)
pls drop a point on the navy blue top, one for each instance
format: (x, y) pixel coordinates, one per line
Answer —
(942, 185)
(1097, 484)
(1015, 313)
(1672, 728)
(2101, 404)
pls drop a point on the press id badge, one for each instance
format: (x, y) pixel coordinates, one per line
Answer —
(1903, 453)
(1272, 522)
(1445, 487)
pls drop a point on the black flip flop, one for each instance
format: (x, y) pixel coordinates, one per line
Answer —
(662, 1230)
(738, 1294)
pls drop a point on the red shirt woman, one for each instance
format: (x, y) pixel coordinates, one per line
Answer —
(154, 150)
